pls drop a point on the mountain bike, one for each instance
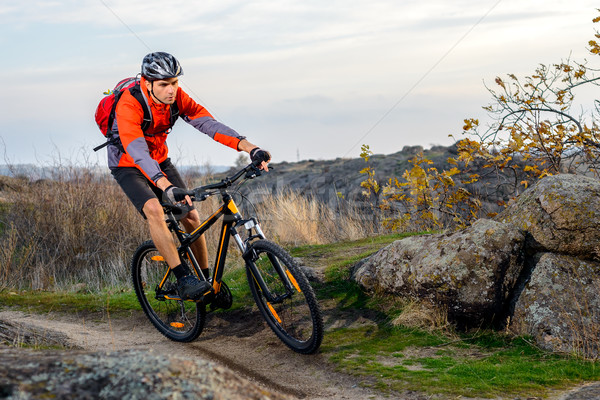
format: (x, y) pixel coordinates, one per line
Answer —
(280, 289)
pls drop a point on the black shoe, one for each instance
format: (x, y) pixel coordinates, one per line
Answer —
(190, 287)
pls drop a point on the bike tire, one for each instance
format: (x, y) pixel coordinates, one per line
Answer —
(180, 321)
(297, 319)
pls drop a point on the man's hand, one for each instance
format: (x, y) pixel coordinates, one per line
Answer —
(260, 158)
(255, 151)
(175, 195)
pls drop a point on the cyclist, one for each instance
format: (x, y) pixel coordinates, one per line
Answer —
(144, 171)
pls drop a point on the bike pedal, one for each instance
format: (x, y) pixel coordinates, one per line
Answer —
(175, 298)
(205, 298)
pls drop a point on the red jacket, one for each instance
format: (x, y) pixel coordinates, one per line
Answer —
(146, 152)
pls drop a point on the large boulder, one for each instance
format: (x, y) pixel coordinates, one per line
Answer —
(561, 214)
(471, 272)
(560, 306)
(128, 374)
(535, 265)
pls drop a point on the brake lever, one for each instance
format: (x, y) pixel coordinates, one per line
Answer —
(201, 195)
(253, 173)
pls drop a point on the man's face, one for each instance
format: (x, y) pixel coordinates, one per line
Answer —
(165, 90)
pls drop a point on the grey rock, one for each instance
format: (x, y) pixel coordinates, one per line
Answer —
(311, 274)
(471, 272)
(590, 391)
(560, 306)
(534, 265)
(131, 374)
(561, 214)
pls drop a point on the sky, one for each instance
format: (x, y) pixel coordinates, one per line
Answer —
(303, 79)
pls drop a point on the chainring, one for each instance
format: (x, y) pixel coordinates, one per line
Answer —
(223, 299)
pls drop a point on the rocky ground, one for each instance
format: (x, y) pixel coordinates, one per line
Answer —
(236, 357)
(239, 347)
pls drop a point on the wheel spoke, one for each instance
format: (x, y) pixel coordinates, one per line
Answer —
(156, 290)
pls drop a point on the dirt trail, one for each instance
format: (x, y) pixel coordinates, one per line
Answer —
(236, 340)
(240, 342)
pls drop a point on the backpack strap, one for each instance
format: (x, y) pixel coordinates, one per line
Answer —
(136, 92)
(174, 113)
(114, 140)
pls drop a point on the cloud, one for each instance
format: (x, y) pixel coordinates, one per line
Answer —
(308, 70)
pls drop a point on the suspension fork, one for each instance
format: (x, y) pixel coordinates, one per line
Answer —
(250, 256)
(251, 265)
(231, 222)
(249, 224)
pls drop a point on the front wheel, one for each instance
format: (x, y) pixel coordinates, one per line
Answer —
(181, 321)
(284, 297)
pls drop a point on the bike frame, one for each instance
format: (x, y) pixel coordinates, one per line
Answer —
(232, 220)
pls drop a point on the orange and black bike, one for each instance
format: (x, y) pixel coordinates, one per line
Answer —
(280, 289)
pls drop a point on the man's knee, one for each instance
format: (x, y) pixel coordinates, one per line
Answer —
(153, 210)
(192, 217)
(191, 221)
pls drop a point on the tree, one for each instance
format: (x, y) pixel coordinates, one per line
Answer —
(241, 161)
(427, 199)
(536, 122)
(371, 189)
(536, 130)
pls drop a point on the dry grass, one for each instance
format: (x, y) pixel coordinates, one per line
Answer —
(14, 257)
(78, 226)
(417, 314)
(293, 219)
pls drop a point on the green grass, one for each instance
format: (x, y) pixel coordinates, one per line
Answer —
(235, 278)
(401, 359)
(117, 301)
(483, 364)
(70, 302)
(337, 259)
(345, 253)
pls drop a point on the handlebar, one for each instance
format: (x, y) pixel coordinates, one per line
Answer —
(250, 171)
(201, 193)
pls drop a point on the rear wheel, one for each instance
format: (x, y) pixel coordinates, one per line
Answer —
(181, 321)
(287, 301)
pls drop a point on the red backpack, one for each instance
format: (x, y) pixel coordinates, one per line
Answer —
(105, 112)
